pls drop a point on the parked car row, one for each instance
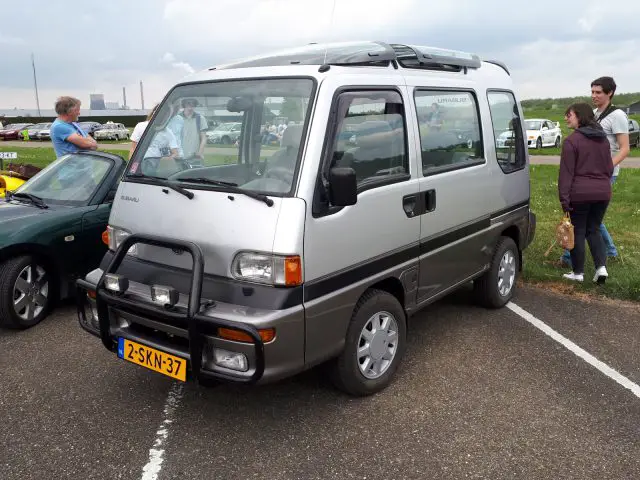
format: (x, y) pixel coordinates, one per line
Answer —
(41, 131)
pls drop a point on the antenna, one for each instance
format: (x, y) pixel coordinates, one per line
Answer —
(35, 82)
(333, 9)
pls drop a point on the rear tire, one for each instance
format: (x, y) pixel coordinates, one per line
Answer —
(557, 144)
(374, 345)
(495, 288)
(26, 292)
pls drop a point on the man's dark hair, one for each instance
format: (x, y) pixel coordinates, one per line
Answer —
(584, 113)
(607, 83)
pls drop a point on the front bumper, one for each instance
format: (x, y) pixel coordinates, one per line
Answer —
(190, 329)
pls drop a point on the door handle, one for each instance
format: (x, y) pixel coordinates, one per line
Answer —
(409, 204)
(429, 201)
(419, 204)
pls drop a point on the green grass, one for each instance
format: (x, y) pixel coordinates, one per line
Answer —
(43, 156)
(622, 220)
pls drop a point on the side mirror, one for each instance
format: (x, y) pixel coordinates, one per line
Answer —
(343, 186)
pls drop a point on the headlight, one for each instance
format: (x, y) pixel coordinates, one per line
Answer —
(116, 237)
(531, 137)
(270, 269)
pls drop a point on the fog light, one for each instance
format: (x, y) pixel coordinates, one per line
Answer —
(165, 296)
(230, 360)
(116, 283)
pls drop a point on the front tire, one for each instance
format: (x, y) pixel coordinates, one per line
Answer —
(538, 144)
(495, 288)
(374, 345)
(26, 292)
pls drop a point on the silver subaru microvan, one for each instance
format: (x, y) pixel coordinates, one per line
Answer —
(366, 182)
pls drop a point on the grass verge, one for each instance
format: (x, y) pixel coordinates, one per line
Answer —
(622, 220)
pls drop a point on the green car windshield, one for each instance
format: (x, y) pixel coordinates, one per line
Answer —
(70, 180)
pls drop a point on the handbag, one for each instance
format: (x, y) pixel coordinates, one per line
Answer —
(564, 232)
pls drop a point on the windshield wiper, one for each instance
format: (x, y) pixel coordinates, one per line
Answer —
(164, 182)
(37, 201)
(228, 186)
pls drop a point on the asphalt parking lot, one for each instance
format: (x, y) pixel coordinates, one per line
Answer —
(481, 394)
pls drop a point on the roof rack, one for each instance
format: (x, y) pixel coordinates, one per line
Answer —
(430, 58)
(345, 53)
(364, 54)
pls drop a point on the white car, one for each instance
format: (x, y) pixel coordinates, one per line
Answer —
(111, 131)
(542, 132)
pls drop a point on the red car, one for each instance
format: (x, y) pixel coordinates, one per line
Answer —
(12, 131)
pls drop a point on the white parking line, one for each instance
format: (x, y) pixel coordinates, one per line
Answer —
(586, 356)
(153, 467)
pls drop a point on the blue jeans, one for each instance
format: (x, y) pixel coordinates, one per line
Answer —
(612, 251)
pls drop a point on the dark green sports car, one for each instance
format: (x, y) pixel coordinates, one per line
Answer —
(51, 233)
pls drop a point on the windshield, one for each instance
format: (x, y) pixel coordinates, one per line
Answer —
(261, 124)
(16, 126)
(70, 180)
(533, 125)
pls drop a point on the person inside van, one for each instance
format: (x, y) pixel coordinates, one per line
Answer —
(163, 147)
(584, 188)
(139, 130)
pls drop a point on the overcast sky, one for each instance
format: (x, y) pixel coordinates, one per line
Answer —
(553, 47)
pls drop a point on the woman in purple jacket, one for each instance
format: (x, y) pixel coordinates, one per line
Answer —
(584, 188)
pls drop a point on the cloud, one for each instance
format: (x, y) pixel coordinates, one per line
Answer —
(550, 46)
(169, 58)
(12, 41)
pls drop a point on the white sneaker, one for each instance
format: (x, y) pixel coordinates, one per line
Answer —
(601, 275)
(575, 277)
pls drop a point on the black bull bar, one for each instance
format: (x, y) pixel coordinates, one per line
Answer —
(198, 324)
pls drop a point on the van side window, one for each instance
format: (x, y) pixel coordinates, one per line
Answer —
(507, 131)
(449, 130)
(370, 136)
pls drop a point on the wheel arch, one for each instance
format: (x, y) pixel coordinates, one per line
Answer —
(44, 255)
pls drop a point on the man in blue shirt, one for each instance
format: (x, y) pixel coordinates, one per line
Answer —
(66, 134)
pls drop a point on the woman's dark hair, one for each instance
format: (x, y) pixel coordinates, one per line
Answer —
(585, 115)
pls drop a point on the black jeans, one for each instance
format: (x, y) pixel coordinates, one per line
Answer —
(586, 219)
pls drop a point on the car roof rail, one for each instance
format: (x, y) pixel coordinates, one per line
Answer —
(499, 64)
(343, 54)
(369, 53)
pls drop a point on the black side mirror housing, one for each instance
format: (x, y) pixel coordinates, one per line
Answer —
(343, 186)
(111, 195)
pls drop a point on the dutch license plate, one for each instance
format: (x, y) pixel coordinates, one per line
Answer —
(162, 362)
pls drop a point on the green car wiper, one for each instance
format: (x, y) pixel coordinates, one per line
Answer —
(37, 201)
(164, 182)
(229, 187)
